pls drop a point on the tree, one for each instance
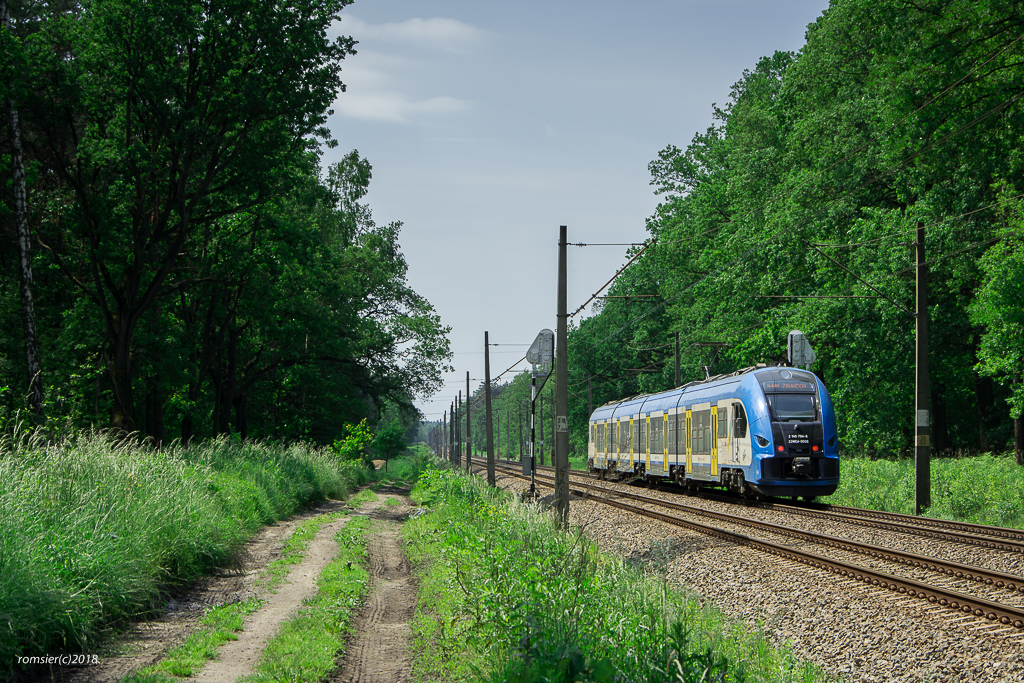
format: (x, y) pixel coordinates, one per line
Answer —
(390, 441)
(158, 119)
(13, 58)
(999, 307)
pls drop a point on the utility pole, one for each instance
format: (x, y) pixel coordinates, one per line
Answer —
(540, 451)
(521, 435)
(553, 428)
(922, 446)
(451, 433)
(677, 361)
(458, 428)
(561, 434)
(487, 407)
(469, 438)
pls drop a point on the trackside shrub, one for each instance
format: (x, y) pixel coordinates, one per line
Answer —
(93, 530)
(506, 597)
(985, 489)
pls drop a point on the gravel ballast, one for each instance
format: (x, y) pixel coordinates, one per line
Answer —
(853, 631)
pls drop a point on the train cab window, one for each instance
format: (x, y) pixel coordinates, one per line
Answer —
(723, 423)
(739, 427)
(592, 434)
(792, 407)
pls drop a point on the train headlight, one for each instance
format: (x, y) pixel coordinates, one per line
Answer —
(761, 441)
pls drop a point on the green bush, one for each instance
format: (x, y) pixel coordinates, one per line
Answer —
(985, 489)
(93, 530)
(506, 597)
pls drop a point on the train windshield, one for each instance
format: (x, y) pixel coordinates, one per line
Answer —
(792, 407)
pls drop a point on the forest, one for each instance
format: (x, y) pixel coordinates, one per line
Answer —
(175, 260)
(799, 209)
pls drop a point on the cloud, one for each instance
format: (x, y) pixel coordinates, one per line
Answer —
(450, 35)
(386, 105)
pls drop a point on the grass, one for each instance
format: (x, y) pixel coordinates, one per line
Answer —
(306, 647)
(94, 532)
(367, 495)
(504, 597)
(219, 625)
(986, 489)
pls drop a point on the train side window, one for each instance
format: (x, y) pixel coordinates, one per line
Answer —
(643, 434)
(723, 423)
(672, 434)
(623, 437)
(739, 427)
(701, 437)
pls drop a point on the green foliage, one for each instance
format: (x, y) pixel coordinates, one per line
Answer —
(504, 596)
(891, 115)
(999, 307)
(985, 489)
(199, 273)
(353, 446)
(94, 529)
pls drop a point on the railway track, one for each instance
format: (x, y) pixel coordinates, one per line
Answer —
(966, 533)
(1008, 585)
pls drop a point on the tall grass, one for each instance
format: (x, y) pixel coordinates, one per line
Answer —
(505, 596)
(985, 489)
(93, 530)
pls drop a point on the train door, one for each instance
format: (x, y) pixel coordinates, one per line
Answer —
(689, 445)
(634, 439)
(740, 436)
(664, 444)
(647, 439)
(702, 442)
(714, 444)
(723, 434)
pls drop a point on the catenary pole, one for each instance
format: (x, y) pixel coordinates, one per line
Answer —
(561, 434)
(458, 429)
(540, 421)
(533, 433)
(469, 438)
(922, 447)
(487, 407)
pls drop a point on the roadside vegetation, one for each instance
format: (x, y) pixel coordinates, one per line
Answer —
(94, 531)
(306, 647)
(985, 489)
(504, 596)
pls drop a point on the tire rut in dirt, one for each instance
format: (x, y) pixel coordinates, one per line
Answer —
(379, 652)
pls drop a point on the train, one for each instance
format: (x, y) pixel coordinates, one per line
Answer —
(764, 431)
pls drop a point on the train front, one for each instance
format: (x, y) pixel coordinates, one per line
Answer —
(793, 434)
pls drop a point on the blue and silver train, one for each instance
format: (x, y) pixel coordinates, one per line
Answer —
(765, 431)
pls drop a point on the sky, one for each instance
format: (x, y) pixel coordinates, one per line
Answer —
(490, 124)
